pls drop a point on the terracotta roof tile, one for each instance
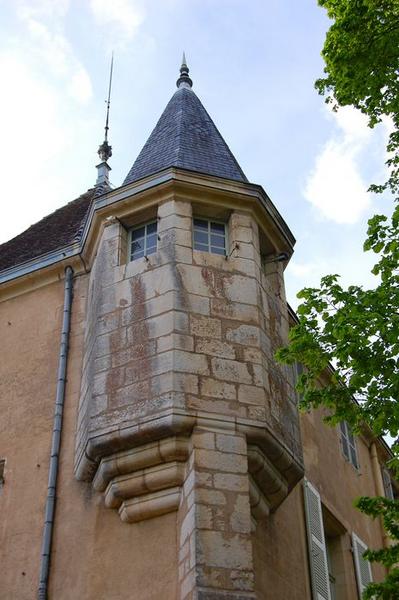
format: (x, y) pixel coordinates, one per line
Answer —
(61, 228)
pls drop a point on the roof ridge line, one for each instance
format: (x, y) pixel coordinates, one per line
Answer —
(179, 126)
(226, 145)
(185, 136)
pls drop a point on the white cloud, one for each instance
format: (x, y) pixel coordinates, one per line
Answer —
(42, 9)
(300, 270)
(47, 44)
(124, 17)
(45, 97)
(336, 188)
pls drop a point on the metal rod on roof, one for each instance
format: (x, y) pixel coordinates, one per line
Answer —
(109, 97)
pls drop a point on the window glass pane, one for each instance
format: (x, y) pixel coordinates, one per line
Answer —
(209, 236)
(138, 233)
(353, 456)
(388, 484)
(138, 246)
(217, 228)
(345, 448)
(217, 240)
(201, 247)
(350, 435)
(201, 237)
(200, 224)
(151, 240)
(144, 241)
(151, 228)
(215, 250)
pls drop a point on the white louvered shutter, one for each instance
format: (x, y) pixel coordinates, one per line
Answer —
(352, 448)
(387, 484)
(344, 440)
(362, 566)
(316, 544)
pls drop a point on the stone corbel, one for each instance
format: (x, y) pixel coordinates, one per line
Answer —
(144, 482)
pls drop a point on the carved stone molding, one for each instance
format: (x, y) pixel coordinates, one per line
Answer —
(144, 482)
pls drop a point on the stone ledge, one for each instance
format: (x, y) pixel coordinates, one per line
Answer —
(109, 443)
(161, 477)
(149, 506)
(142, 457)
(224, 595)
(271, 483)
(260, 509)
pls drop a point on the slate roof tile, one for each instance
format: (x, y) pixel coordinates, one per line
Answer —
(186, 137)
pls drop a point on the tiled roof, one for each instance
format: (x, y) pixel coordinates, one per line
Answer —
(186, 137)
(60, 228)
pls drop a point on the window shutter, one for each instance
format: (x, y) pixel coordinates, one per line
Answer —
(387, 484)
(316, 544)
(344, 440)
(362, 566)
(352, 448)
(348, 444)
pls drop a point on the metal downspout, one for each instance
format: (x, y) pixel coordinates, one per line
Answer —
(56, 438)
(379, 486)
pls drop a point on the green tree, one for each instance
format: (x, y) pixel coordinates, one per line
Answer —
(357, 329)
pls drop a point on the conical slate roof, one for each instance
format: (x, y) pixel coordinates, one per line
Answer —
(186, 137)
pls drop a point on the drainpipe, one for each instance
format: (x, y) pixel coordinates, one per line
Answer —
(56, 439)
(379, 486)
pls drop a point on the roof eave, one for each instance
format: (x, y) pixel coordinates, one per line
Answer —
(114, 196)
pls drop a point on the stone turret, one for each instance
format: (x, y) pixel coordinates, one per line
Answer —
(183, 408)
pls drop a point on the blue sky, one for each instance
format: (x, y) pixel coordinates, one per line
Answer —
(253, 65)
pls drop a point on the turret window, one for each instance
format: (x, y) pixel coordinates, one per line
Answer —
(209, 236)
(143, 240)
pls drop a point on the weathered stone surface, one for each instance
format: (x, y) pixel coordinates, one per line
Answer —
(205, 327)
(215, 348)
(250, 394)
(218, 389)
(230, 370)
(244, 334)
(186, 332)
(231, 443)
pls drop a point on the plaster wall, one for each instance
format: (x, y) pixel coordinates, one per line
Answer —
(280, 552)
(280, 541)
(95, 554)
(187, 331)
(29, 334)
(339, 484)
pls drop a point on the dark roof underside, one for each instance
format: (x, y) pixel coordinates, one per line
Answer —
(186, 137)
(62, 228)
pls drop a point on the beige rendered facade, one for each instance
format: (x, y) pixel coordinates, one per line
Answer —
(180, 474)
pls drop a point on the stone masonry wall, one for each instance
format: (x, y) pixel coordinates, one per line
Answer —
(182, 405)
(184, 330)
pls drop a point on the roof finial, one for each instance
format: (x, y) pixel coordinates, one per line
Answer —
(184, 79)
(105, 150)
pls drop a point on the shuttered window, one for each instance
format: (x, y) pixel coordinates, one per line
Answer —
(386, 477)
(2, 467)
(348, 444)
(298, 370)
(362, 566)
(316, 544)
